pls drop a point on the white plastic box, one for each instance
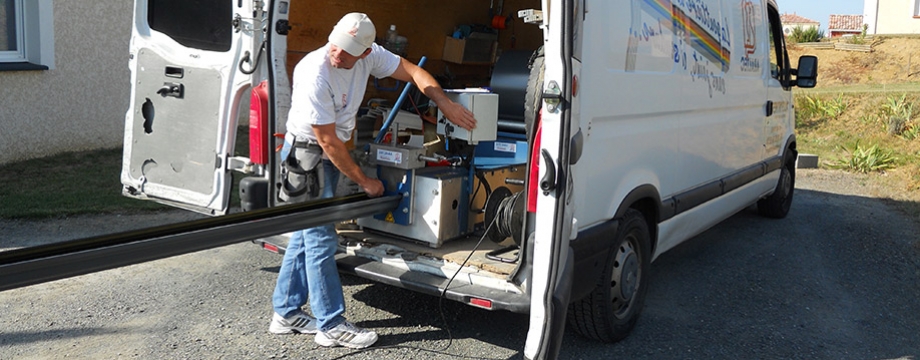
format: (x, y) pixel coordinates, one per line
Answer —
(484, 106)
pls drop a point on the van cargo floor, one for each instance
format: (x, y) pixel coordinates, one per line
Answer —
(455, 251)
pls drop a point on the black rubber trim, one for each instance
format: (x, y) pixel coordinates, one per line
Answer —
(745, 176)
(696, 197)
(690, 199)
(21, 66)
(590, 251)
(430, 284)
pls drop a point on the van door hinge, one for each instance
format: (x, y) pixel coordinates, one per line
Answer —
(552, 96)
(237, 23)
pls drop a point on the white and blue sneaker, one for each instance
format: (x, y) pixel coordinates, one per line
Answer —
(348, 335)
(299, 323)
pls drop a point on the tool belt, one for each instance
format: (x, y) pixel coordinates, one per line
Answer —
(300, 172)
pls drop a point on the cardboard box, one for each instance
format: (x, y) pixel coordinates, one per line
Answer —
(479, 48)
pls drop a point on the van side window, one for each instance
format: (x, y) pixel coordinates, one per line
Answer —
(779, 61)
(205, 24)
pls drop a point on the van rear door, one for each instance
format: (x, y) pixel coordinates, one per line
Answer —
(186, 82)
(552, 260)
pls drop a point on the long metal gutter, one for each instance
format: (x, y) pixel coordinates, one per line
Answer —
(34, 265)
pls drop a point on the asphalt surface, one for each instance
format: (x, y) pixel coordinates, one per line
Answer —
(838, 279)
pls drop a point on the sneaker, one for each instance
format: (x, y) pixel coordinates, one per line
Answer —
(298, 323)
(348, 335)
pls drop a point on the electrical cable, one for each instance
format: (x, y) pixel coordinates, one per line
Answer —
(450, 337)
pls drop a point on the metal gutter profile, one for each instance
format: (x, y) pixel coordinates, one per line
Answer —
(34, 265)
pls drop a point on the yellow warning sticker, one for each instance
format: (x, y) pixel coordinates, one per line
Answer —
(390, 217)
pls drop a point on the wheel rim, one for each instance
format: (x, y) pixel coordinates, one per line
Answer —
(787, 182)
(787, 185)
(625, 279)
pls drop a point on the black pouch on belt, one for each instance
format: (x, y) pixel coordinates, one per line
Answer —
(300, 174)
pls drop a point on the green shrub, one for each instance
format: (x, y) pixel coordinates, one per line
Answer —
(899, 112)
(800, 35)
(810, 107)
(858, 39)
(867, 160)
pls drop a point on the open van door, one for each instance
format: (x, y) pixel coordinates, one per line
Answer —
(186, 82)
(552, 258)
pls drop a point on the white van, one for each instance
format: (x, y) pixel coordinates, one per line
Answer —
(609, 132)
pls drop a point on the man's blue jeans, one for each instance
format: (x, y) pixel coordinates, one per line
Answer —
(309, 267)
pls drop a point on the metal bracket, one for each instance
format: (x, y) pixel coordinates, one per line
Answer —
(552, 96)
(244, 165)
(531, 16)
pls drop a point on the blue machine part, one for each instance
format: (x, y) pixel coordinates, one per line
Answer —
(403, 178)
(500, 153)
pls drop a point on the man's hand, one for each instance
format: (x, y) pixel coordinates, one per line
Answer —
(458, 114)
(372, 187)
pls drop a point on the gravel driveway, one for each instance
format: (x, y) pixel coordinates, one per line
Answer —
(838, 279)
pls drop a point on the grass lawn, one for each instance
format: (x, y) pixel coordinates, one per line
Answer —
(77, 183)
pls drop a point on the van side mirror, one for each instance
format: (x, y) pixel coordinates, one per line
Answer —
(807, 72)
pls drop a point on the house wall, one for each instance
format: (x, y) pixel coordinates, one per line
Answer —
(788, 27)
(891, 17)
(81, 104)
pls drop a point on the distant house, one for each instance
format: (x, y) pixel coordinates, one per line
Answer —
(792, 21)
(840, 25)
(892, 16)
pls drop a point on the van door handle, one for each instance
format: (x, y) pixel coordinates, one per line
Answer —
(769, 108)
(548, 183)
(172, 89)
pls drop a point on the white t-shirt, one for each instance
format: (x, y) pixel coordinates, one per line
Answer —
(323, 94)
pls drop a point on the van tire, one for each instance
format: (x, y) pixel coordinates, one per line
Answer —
(777, 205)
(607, 313)
(533, 96)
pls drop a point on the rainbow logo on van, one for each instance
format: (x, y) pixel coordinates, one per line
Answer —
(707, 34)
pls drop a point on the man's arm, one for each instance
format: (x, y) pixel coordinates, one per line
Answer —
(456, 113)
(335, 149)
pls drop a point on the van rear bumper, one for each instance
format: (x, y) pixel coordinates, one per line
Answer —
(430, 284)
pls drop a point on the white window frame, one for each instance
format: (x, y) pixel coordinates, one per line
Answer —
(35, 35)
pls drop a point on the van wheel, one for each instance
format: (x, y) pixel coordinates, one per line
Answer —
(613, 307)
(777, 205)
(533, 97)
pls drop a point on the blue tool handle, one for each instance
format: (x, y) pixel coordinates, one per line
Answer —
(399, 101)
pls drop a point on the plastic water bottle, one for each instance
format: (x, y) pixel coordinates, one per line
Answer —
(392, 37)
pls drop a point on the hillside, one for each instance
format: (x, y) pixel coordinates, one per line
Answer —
(894, 60)
(865, 100)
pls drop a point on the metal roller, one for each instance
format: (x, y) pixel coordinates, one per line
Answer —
(509, 81)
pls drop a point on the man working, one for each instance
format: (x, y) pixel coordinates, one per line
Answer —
(328, 87)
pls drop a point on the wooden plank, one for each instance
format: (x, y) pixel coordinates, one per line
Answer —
(853, 47)
(816, 45)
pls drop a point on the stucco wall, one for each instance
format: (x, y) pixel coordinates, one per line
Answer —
(891, 17)
(81, 104)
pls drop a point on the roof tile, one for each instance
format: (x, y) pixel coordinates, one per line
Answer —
(845, 22)
(796, 19)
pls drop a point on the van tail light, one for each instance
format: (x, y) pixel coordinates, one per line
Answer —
(258, 124)
(483, 303)
(533, 182)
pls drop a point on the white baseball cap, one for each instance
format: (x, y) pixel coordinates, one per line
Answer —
(354, 33)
